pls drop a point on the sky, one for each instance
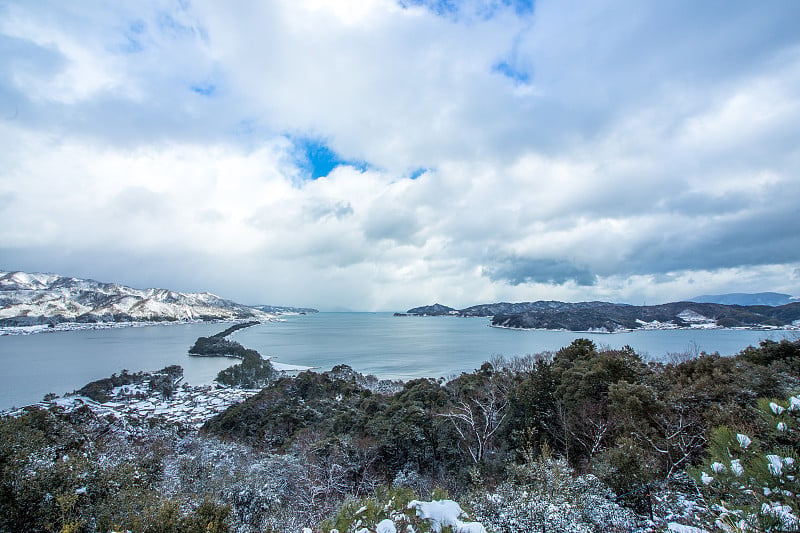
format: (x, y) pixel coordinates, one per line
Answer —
(384, 154)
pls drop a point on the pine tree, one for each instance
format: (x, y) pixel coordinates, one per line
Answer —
(756, 485)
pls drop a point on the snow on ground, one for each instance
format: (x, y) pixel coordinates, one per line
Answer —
(385, 526)
(697, 321)
(133, 405)
(656, 325)
(444, 513)
(679, 528)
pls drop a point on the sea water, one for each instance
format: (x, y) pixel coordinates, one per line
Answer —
(372, 343)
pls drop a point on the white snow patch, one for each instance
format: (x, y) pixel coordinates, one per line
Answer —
(445, 513)
(777, 409)
(694, 317)
(736, 467)
(385, 526)
(680, 528)
(656, 325)
(794, 403)
(744, 440)
(783, 513)
(775, 464)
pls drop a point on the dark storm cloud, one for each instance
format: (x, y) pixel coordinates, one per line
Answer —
(762, 238)
(519, 270)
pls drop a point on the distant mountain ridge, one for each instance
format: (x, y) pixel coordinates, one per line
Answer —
(740, 298)
(37, 299)
(611, 317)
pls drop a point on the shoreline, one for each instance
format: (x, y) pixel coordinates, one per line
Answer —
(87, 326)
(675, 328)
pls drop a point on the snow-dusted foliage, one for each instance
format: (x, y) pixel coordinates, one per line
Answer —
(266, 492)
(677, 506)
(258, 487)
(759, 489)
(393, 510)
(547, 495)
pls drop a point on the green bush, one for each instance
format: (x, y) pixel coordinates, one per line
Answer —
(756, 485)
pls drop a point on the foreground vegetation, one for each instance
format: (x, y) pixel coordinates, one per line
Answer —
(583, 439)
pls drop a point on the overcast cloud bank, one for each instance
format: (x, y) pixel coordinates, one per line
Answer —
(486, 151)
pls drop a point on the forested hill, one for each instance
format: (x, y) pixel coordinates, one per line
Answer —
(604, 316)
(614, 317)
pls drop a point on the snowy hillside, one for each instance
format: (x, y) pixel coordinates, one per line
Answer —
(35, 299)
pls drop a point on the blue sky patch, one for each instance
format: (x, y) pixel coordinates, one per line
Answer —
(484, 9)
(523, 7)
(204, 89)
(439, 7)
(131, 46)
(170, 26)
(318, 159)
(134, 33)
(418, 172)
(509, 71)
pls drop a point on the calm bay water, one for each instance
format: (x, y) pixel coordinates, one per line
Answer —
(372, 343)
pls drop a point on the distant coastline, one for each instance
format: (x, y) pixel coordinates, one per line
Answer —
(606, 317)
(680, 328)
(82, 326)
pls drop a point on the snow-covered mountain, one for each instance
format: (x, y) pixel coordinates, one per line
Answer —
(34, 299)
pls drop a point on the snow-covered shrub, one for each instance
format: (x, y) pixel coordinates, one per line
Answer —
(395, 509)
(263, 490)
(756, 485)
(356, 514)
(546, 495)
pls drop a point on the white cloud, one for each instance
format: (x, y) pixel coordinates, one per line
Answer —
(646, 155)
